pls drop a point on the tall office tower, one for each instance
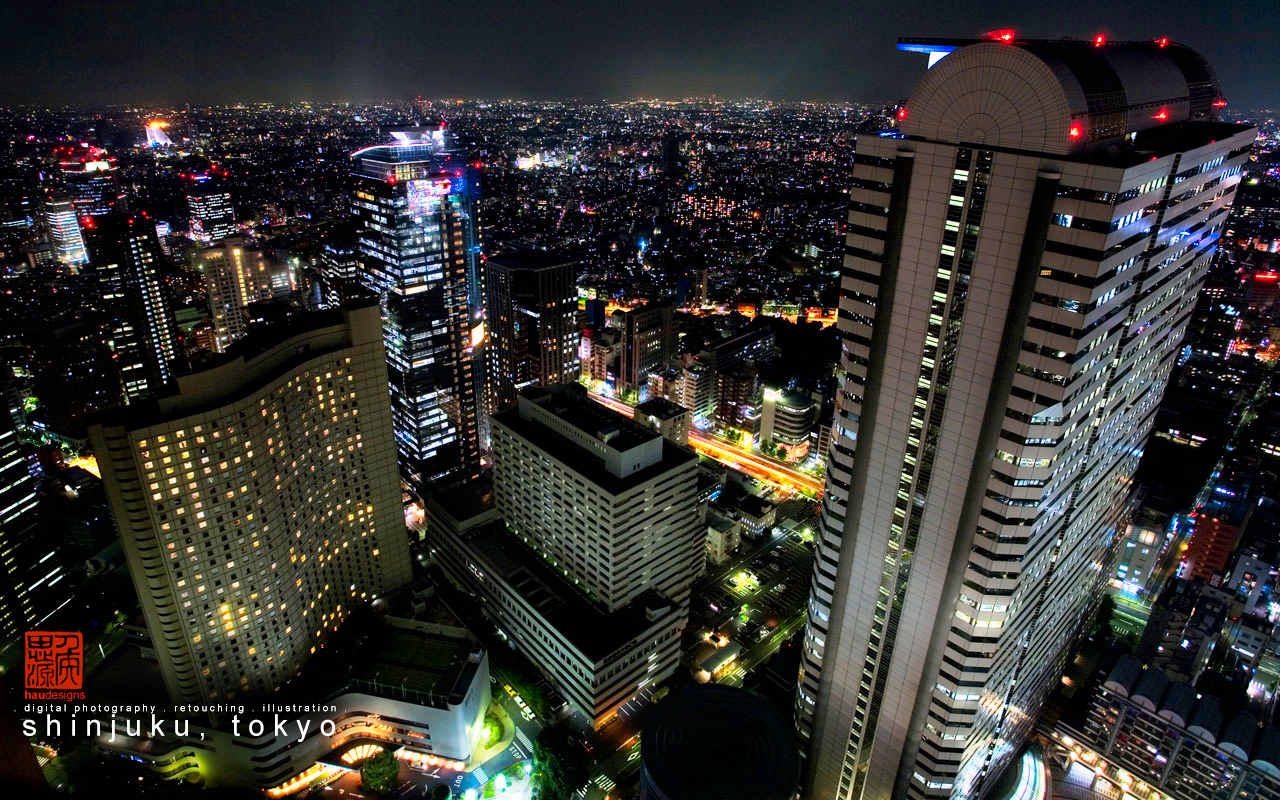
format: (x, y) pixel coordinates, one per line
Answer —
(31, 587)
(236, 275)
(144, 336)
(648, 341)
(532, 315)
(339, 266)
(259, 503)
(415, 202)
(64, 232)
(1023, 254)
(213, 217)
(76, 375)
(93, 186)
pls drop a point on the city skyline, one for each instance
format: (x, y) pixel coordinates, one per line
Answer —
(818, 51)
(917, 449)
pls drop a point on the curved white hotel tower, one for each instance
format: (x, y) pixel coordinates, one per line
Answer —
(1023, 255)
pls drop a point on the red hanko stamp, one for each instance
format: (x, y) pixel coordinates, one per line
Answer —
(55, 660)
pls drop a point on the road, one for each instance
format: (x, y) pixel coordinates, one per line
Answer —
(757, 466)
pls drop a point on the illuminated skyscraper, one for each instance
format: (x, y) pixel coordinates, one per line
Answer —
(144, 335)
(64, 232)
(532, 315)
(93, 186)
(156, 136)
(418, 250)
(31, 585)
(236, 275)
(213, 218)
(1023, 254)
(259, 503)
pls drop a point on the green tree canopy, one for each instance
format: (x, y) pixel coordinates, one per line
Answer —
(380, 772)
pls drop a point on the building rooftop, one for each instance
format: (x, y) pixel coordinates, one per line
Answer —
(531, 259)
(1092, 100)
(608, 432)
(662, 408)
(718, 741)
(586, 625)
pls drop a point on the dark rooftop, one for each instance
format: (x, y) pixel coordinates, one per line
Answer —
(529, 258)
(718, 741)
(662, 408)
(592, 630)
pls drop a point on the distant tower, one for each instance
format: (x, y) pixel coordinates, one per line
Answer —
(534, 335)
(415, 202)
(258, 505)
(213, 218)
(339, 266)
(236, 275)
(144, 336)
(1022, 259)
(64, 232)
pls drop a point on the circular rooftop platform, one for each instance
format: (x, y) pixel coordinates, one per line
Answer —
(717, 742)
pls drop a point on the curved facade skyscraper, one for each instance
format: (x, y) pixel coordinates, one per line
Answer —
(1022, 258)
(418, 250)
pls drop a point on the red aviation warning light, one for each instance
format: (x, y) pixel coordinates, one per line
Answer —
(1163, 41)
(902, 113)
(1099, 40)
(1219, 103)
(1161, 115)
(1076, 130)
(1003, 35)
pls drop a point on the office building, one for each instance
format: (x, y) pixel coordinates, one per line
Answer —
(667, 418)
(212, 216)
(144, 336)
(93, 186)
(584, 550)
(1023, 253)
(648, 341)
(258, 504)
(738, 399)
(339, 266)
(31, 573)
(235, 275)
(532, 315)
(414, 202)
(76, 373)
(786, 422)
(64, 232)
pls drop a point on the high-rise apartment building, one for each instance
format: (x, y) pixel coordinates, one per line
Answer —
(1023, 254)
(213, 217)
(64, 232)
(144, 336)
(532, 316)
(236, 275)
(259, 503)
(415, 204)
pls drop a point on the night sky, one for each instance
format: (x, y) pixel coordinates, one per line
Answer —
(278, 50)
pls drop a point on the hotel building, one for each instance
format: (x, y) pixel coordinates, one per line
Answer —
(258, 504)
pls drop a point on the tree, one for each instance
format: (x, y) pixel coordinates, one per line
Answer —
(380, 772)
(560, 764)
